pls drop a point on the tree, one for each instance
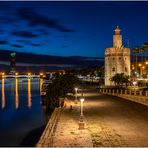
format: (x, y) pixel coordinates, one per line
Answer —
(120, 79)
(61, 85)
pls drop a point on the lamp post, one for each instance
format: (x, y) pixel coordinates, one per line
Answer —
(76, 90)
(134, 83)
(81, 122)
(81, 100)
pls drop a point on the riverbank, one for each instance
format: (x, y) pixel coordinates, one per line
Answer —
(32, 137)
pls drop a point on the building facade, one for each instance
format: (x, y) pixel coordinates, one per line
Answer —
(117, 58)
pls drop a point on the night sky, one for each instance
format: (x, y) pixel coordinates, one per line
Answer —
(71, 28)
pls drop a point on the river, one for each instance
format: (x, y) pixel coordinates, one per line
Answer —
(21, 111)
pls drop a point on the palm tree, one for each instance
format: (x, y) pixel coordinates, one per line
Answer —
(145, 47)
(135, 52)
(142, 50)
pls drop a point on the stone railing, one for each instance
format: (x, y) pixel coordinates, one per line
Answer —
(139, 96)
(46, 137)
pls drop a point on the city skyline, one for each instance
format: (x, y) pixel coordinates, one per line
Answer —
(71, 28)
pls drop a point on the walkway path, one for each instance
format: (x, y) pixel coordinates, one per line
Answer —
(113, 121)
(67, 133)
(110, 121)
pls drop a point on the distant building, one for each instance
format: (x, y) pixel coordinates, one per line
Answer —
(12, 63)
(117, 58)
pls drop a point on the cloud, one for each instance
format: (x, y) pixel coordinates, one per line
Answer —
(17, 46)
(42, 31)
(35, 44)
(63, 29)
(29, 43)
(25, 34)
(23, 41)
(3, 42)
(36, 19)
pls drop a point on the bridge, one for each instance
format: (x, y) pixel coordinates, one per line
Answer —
(21, 76)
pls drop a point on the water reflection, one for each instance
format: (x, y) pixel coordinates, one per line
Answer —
(29, 93)
(17, 98)
(3, 94)
(41, 82)
(15, 86)
(16, 94)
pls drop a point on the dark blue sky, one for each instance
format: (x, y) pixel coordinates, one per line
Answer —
(71, 28)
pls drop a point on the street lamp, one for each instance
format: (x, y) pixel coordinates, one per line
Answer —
(81, 100)
(134, 83)
(81, 122)
(76, 90)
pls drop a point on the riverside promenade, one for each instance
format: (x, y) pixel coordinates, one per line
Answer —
(66, 133)
(110, 121)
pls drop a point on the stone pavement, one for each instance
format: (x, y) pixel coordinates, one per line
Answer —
(67, 133)
(110, 122)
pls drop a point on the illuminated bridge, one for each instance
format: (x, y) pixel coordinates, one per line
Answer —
(21, 76)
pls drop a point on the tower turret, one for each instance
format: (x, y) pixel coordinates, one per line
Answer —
(117, 38)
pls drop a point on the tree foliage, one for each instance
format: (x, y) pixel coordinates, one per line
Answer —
(120, 79)
(61, 85)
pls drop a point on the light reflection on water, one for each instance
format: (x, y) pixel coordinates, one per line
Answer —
(21, 110)
(3, 93)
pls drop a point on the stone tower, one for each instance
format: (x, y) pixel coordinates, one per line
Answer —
(117, 58)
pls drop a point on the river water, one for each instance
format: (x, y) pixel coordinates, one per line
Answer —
(20, 110)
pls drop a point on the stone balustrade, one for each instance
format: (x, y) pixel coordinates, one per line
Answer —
(139, 96)
(49, 130)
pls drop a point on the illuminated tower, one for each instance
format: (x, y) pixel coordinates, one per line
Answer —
(117, 58)
(12, 62)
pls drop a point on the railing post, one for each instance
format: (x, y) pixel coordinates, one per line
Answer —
(121, 92)
(117, 92)
(130, 92)
(113, 91)
(140, 92)
(135, 92)
(146, 93)
(110, 91)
